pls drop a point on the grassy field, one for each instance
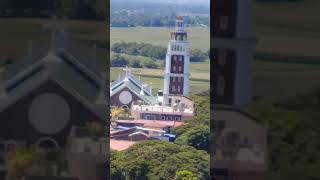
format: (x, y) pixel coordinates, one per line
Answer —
(288, 33)
(288, 27)
(199, 38)
(17, 33)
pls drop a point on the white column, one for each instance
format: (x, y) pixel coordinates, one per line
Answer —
(244, 26)
(186, 71)
(167, 73)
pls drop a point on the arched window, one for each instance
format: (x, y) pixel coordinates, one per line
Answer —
(125, 107)
(47, 143)
(222, 57)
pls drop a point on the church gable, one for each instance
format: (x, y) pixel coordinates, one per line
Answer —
(128, 89)
(124, 97)
(20, 119)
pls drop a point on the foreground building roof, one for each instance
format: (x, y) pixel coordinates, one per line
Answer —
(61, 62)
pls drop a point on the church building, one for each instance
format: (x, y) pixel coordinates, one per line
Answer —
(58, 87)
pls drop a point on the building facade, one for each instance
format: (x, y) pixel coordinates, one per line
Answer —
(177, 74)
(52, 90)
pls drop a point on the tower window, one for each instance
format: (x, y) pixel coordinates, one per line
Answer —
(173, 79)
(179, 79)
(178, 88)
(180, 58)
(174, 68)
(174, 58)
(173, 88)
(180, 68)
(222, 58)
(224, 23)
(220, 85)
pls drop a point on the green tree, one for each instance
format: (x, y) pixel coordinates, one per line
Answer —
(196, 55)
(116, 172)
(197, 137)
(135, 63)
(185, 175)
(150, 64)
(96, 129)
(26, 161)
(153, 159)
(119, 61)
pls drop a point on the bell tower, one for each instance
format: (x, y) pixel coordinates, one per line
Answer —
(232, 53)
(177, 74)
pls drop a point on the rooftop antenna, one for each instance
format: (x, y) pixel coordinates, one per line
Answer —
(150, 87)
(127, 75)
(142, 90)
(54, 26)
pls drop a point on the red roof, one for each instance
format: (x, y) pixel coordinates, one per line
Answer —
(120, 145)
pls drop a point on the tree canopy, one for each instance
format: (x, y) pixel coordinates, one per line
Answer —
(162, 160)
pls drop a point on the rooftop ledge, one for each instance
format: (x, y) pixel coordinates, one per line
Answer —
(163, 109)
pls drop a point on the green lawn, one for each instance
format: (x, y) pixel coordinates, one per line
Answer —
(288, 33)
(288, 27)
(199, 38)
(16, 35)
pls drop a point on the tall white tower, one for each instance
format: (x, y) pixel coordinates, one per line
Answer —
(177, 74)
(233, 46)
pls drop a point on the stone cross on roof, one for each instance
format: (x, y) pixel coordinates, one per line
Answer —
(55, 26)
(128, 70)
